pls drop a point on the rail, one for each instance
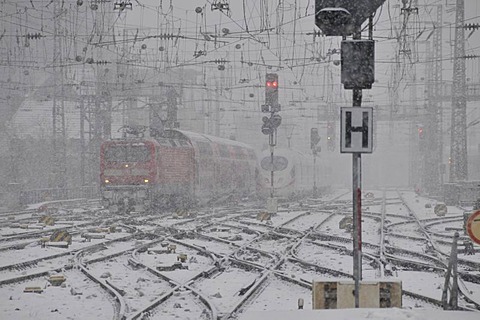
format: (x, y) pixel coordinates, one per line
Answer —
(51, 194)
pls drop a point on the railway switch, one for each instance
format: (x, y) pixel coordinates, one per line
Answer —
(100, 230)
(56, 280)
(174, 266)
(43, 241)
(263, 216)
(90, 236)
(182, 257)
(47, 220)
(60, 238)
(164, 244)
(33, 290)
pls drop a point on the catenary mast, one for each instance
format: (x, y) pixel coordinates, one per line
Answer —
(458, 141)
(58, 110)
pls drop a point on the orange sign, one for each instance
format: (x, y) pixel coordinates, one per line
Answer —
(473, 226)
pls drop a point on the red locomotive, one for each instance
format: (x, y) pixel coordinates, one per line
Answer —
(174, 170)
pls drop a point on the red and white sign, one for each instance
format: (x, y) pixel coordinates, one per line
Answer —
(473, 227)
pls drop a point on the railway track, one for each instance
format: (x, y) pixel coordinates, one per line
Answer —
(300, 244)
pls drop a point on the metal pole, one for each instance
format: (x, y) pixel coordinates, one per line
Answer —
(451, 273)
(271, 172)
(314, 174)
(272, 145)
(357, 210)
(357, 201)
(445, 287)
(453, 257)
(82, 141)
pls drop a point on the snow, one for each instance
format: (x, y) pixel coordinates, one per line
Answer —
(223, 288)
(80, 298)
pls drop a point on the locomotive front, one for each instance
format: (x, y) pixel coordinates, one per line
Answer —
(293, 172)
(284, 176)
(128, 171)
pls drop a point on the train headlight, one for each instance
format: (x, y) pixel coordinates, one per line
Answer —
(145, 180)
(107, 181)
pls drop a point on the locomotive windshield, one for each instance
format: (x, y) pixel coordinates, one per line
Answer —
(126, 153)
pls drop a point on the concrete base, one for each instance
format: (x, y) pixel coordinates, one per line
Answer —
(360, 314)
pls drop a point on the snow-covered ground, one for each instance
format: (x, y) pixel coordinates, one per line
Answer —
(222, 242)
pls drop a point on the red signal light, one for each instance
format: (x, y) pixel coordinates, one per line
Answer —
(420, 132)
(271, 90)
(273, 84)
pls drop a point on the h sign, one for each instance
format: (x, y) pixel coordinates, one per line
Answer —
(356, 130)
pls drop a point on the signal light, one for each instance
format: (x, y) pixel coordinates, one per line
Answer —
(331, 136)
(314, 140)
(275, 121)
(266, 126)
(272, 84)
(420, 132)
(271, 90)
(271, 124)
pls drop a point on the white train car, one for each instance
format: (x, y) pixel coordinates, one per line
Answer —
(293, 172)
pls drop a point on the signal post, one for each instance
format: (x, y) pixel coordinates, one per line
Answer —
(345, 18)
(269, 127)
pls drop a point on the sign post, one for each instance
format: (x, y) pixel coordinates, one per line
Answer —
(269, 128)
(345, 18)
(356, 137)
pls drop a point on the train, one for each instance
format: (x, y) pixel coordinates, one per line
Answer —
(293, 172)
(176, 169)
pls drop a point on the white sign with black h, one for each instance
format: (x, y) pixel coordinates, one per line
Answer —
(356, 130)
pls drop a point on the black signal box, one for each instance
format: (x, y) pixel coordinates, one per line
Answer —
(358, 64)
